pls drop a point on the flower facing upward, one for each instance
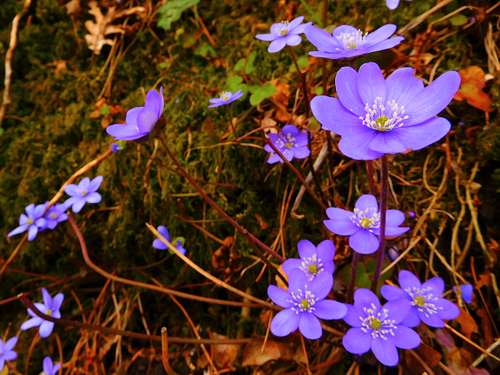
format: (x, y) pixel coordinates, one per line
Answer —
(291, 142)
(7, 352)
(346, 41)
(427, 302)
(303, 304)
(32, 221)
(363, 225)
(313, 260)
(226, 97)
(179, 242)
(84, 192)
(49, 368)
(55, 215)
(139, 120)
(283, 34)
(50, 306)
(378, 328)
(377, 116)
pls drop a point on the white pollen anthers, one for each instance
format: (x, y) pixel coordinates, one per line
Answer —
(351, 40)
(369, 219)
(303, 300)
(311, 266)
(286, 141)
(384, 116)
(424, 300)
(376, 322)
(282, 28)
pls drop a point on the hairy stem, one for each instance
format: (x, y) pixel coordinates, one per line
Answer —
(383, 208)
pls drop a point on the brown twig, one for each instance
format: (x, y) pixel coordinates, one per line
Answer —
(164, 352)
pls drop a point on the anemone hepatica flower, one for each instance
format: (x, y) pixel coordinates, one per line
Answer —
(363, 225)
(346, 41)
(179, 242)
(7, 352)
(313, 260)
(466, 292)
(377, 116)
(225, 98)
(378, 327)
(291, 142)
(427, 302)
(32, 221)
(139, 120)
(392, 4)
(283, 34)
(49, 368)
(50, 306)
(303, 304)
(55, 215)
(84, 192)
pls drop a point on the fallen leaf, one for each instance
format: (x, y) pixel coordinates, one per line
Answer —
(73, 7)
(223, 355)
(473, 81)
(256, 355)
(468, 324)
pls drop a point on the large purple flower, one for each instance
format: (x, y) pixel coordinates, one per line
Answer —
(139, 120)
(377, 116)
(363, 225)
(51, 307)
(49, 368)
(303, 304)
(428, 304)
(225, 98)
(291, 142)
(346, 41)
(313, 260)
(178, 242)
(283, 34)
(378, 328)
(33, 221)
(7, 352)
(84, 192)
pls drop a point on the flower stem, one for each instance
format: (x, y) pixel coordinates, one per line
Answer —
(354, 268)
(303, 80)
(383, 208)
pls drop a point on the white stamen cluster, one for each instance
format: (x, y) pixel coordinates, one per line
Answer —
(311, 266)
(226, 95)
(351, 40)
(285, 141)
(303, 300)
(369, 219)
(424, 300)
(384, 116)
(376, 322)
(282, 28)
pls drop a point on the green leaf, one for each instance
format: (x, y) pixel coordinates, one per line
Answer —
(205, 50)
(259, 93)
(303, 61)
(249, 68)
(104, 110)
(458, 20)
(239, 65)
(235, 83)
(172, 10)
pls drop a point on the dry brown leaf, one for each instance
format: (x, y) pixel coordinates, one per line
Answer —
(73, 7)
(468, 324)
(255, 355)
(473, 81)
(224, 355)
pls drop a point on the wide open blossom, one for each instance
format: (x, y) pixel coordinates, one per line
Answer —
(7, 352)
(225, 98)
(346, 41)
(84, 192)
(157, 244)
(291, 142)
(283, 34)
(363, 225)
(50, 306)
(313, 259)
(377, 116)
(33, 221)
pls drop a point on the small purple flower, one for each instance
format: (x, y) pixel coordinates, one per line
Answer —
(346, 41)
(427, 303)
(32, 221)
(49, 368)
(291, 142)
(178, 242)
(313, 260)
(363, 225)
(117, 146)
(84, 192)
(55, 215)
(377, 116)
(283, 34)
(303, 304)
(225, 98)
(50, 306)
(378, 328)
(139, 120)
(7, 352)
(466, 291)
(392, 4)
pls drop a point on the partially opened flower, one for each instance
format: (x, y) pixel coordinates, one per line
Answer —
(32, 221)
(225, 98)
(304, 304)
(377, 116)
(283, 34)
(49, 368)
(178, 242)
(346, 41)
(378, 328)
(427, 302)
(50, 306)
(466, 291)
(139, 120)
(84, 192)
(363, 225)
(291, 142)
(7, 352)
(55, 215)
(313, 260)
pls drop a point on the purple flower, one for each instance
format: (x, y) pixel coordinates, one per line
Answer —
(84, 192)
(225, 98)
(347, 41)
(392, 4)
(6, 351)
(54, 215)
(466, 291)
(363, 225)
(49, 368)
(33, 221)
(283, 34)
(117, 146)
(178, 242)
(427, 303)
(377, 116)
(303, 304)
(139, 120)
(378, 328)
(291, 142)
(50, 306)
(313, 260)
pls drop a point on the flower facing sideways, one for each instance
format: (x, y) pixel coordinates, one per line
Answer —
(50, 306)
(225, 98)
(157, 244)
(283, 34)
(291, 142)
(7, 352)
(84, 192)
(313, 260)
(49, 368)
(466, 291)
(32, 221)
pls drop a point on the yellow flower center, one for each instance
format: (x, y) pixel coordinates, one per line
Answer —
(375, 323)
(304, 304)
(313, 269)
(419, 301)
(366, 222)
(48, 312)
(29, 221)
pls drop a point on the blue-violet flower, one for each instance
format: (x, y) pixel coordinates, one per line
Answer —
(55, 215)
(84, 192)
(49, 368)
(291, 142)
(225, 98)
(179, 241)
(392, 4)
(7, 352)
(32, 221)
(50, 306)
(466, 291)
(283, 34)
(313, 260)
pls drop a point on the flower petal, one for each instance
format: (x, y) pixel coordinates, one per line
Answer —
(386, 44)
(284, 323)
(393, 218)
(397, 309)
(321, 39)
(449, 309)
(295, 22)
(436, 284)
(266, 37)
(393, 232)
(279, 296)
(57, 301)
(406, 338)
(18, 230)
(47, 299)
(32, 232)
(293, 40)
(356, 341)
(403, 86)
(412, 319)
(364, 242)
(365, 297)
(276, 45)
(321, 285)
(131, 117)
(408, 280)
(93, 198)
(123, 132)
(390, 292)
(333, 116)
(309, 326)
(353, 316)
(328, 309)
(33, 322)
(379, 35)
(154, 102)
(290, 264)
(78, 205)
(296, 280)
(46, 329)
(157, 244)
(419, 136)
(95, 183)
(147, 120)
(385, 351)
(340, 221)
(356, 144)
(347, 90)
(366, 201)
(326, 250)
(387, 143)
(10, 343)
(433, 320)
(306, 249)
(371, 83)
(392, 4)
